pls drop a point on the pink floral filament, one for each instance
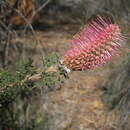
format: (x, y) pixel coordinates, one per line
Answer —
(95, 45)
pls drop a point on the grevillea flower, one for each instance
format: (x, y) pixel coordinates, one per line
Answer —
(95, 45)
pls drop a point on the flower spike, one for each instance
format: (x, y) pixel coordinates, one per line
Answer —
(95, 45)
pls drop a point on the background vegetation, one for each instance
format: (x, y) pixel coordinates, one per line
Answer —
(34, 34)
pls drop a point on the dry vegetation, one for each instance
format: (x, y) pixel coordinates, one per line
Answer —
(82, 102)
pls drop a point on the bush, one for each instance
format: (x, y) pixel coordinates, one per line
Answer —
(19, 91)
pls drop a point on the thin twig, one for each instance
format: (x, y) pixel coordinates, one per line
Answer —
(28, 23)
(6, 50)
(4, 25)
(42, 6)
(30, 26)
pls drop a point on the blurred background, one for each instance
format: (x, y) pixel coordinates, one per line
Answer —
(89, 100)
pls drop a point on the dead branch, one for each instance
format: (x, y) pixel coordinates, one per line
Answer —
(31, 27)
(6, 50)
(41, 7)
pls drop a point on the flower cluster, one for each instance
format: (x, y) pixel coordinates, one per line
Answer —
(95, 45)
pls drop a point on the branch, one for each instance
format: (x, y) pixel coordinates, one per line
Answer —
(41, 7)
(30, 78)
(30, 26)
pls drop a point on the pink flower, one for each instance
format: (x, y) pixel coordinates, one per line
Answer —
(95, 45)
